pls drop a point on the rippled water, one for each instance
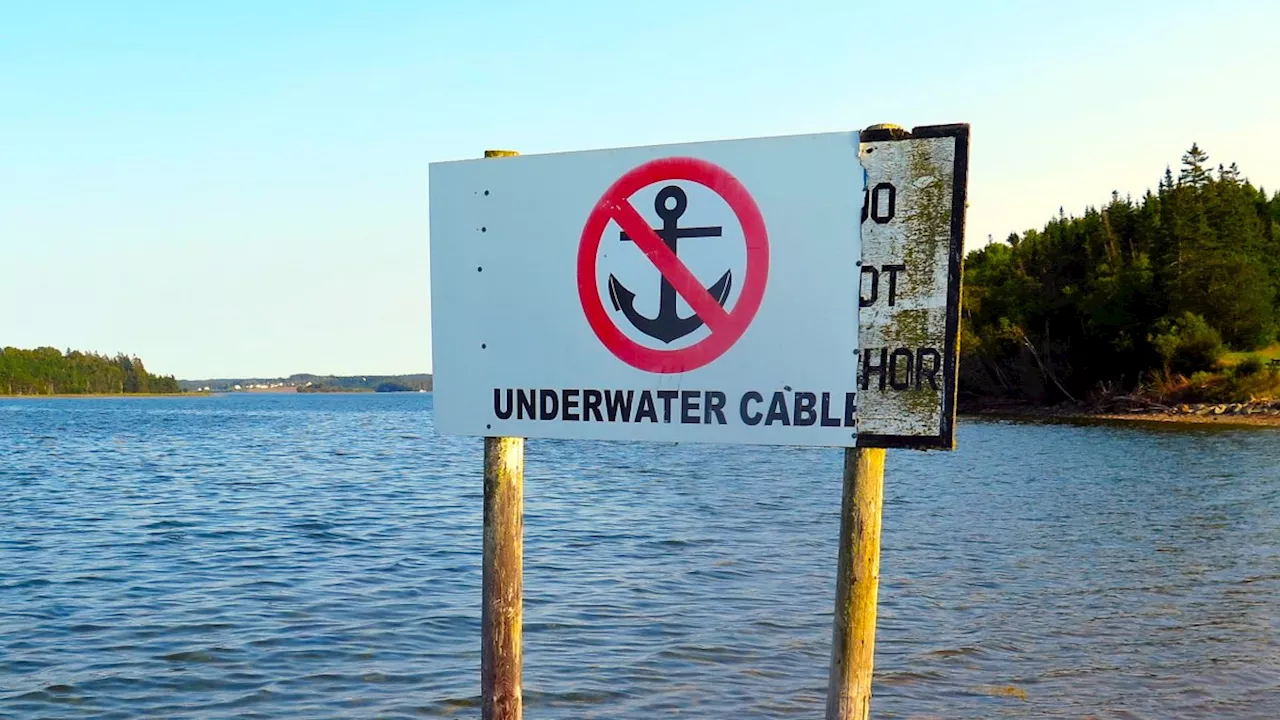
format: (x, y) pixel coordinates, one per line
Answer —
(319, 556)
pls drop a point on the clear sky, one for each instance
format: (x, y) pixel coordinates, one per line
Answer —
(239, 188)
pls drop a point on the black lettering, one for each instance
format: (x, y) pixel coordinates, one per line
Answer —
(905, 384)
(893, 271)
(569, 405)
(689, 407)
(806, 415)
(875, 286)
(850, 409)
(827, 419)
(883, 192)
(754, 418)
(528, 405)
(932, 371)
(616, 404)
(646, 407)
(548, 412)
(666, 396)
(497, 404)
(715, 404)
(778, 410)
(591, 400)
(868, 368)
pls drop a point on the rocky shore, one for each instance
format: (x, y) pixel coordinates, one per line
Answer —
(1257, 407)
(1256, 412)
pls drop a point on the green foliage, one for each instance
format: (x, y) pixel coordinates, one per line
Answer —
(1248, 367)
(1228, 387)
(1187, 344)
(1137, 288)
(47, 371)
(1194, 172)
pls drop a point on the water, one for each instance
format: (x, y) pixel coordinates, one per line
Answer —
(319, 556)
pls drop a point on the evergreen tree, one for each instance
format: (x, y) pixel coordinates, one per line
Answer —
(1122, 293)
(47, 371)
(1193, 168)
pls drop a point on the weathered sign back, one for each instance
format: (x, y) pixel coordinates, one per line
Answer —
(909, 314)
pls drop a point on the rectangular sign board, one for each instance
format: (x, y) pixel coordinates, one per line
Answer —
(706, 292)
(697, 293)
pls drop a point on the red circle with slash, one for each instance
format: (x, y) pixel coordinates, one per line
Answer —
(726, 326)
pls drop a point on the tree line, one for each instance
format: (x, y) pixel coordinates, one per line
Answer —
(49, 371)
(1127, 295)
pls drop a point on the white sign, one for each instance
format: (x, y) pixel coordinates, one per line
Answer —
(912, 246)
(698, 293)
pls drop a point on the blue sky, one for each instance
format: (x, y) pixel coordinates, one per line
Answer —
(239, 188)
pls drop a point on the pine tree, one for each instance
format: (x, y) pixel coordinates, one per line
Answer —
(1193, 168)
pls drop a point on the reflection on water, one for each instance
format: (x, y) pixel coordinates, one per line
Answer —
(308, 556)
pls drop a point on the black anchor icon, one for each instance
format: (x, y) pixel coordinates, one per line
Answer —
(668, 326)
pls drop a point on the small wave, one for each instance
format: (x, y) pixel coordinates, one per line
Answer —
(166, 525)
(1008, 691)
(193, 656)
(906, 677)
(572, 697)
(451, 706)
(955, 652)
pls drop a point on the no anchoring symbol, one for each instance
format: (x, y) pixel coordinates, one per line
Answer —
(668, 326)
(725, 324)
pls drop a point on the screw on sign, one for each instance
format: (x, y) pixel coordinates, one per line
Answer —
(660, 246)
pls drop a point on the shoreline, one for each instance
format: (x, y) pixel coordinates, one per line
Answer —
(1240, 416)
(1237, 420)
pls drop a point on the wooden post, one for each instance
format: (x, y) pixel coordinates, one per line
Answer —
(502, 612)
(857, 582)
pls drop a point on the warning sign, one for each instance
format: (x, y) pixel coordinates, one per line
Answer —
(661, 247)
(909, 311)
(702, 292)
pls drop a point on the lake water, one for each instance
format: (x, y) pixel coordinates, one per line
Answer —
(284, 556)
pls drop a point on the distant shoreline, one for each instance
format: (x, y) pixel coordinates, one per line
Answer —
(210, 393)
(103, 396)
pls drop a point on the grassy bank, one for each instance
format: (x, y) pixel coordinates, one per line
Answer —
(1238, 377)
(1265, 355)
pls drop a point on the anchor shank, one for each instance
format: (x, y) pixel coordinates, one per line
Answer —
(670, 234)
(668, 325)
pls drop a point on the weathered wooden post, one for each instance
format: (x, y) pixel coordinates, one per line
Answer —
(857, 583)
(912, 235)
(502, 612)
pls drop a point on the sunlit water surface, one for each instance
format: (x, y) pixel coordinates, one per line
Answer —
(319, 556)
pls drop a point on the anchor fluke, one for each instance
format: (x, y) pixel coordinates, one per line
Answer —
(668, 326)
